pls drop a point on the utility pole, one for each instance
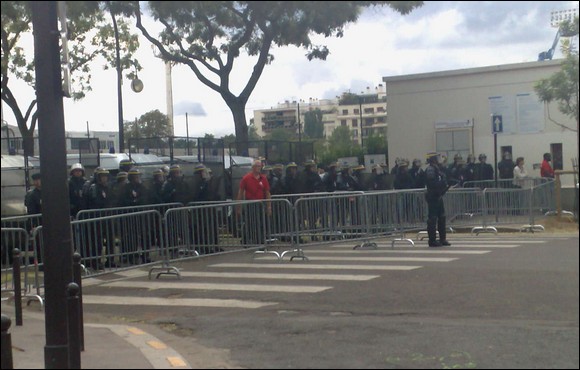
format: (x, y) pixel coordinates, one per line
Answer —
(56, 227)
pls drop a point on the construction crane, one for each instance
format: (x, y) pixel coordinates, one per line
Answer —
(557, 17)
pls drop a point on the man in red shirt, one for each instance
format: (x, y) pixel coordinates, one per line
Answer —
(254, 186)
(546, 169)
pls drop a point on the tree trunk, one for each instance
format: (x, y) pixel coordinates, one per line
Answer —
(241, 126)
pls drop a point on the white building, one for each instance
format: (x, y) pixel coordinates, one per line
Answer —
(348, 110)
(451, 112)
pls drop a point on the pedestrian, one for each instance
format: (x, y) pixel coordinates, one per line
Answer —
(519, 173)
(483, 172)
(76, 182)
(254, 186)
(506, 168)
(546, 169)
(437, 186)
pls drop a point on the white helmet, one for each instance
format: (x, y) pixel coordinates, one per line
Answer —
(77, 166)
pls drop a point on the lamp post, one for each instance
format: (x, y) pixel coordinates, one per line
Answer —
(361, 122)
(187, 133)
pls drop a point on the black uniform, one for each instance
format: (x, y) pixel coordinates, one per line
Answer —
(437, 186)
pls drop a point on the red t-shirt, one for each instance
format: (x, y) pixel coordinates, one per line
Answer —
(255, 188)
(546, 170)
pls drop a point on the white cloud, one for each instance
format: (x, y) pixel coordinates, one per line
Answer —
(439, 36)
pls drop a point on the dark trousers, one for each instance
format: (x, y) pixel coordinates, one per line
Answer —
(436, 219)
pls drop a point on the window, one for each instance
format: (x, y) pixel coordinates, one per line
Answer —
(343, 122)
(354, 123)
(356, 111)
(345, 111)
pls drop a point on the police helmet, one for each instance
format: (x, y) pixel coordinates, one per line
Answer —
(101, 171)
(122, 175)
(416, 162)
(309, 163)
(403, 162)
(198, 168)
(35, 176)
(432, 157)
(126, 163)
(134, 172)
(292, 164)
(77, 166)
(482, 156)
(457, 157)
(358, 167)
(158, 172)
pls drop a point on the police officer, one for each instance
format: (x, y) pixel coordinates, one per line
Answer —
(117, 189)
(275, 179)
(126, 165)
(76, 182)
(155, 186)
(99, 192)
(437, 186)
(134, 192)
(418, 174)
(403, 179)
(33, 199)
(175, 189)
(291, 179)
(483, 170)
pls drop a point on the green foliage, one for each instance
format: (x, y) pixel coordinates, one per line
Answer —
(280, 134)
(313, 125)
(151, 124)
(340, 144)
(208, 36)
(562, 87)
(376, 144)
(90, 39)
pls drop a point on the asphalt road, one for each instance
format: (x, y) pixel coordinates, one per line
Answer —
(505, 301)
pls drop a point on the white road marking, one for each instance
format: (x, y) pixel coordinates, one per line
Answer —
(257, 275)
(178, 284)
(389, 251)
(382, 259)
(317, 267)
(185, 302)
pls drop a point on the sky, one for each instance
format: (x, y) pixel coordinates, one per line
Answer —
(439, 36)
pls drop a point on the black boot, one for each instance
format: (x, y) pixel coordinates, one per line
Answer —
(443, 232)
(432, 233)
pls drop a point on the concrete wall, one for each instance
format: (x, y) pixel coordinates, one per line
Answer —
(416, 104)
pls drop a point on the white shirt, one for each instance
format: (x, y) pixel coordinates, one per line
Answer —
(520, 175)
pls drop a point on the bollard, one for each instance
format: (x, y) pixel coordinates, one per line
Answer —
(73, 309)
(6, 344)
(17, 286)
(78, 280)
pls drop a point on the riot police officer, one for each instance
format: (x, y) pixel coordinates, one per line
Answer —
(437, 186)
(75, 188)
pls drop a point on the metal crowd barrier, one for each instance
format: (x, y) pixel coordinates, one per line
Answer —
(131, 237)
(12, 238)
(103, 212)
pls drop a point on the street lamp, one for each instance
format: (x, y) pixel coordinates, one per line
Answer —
(187, 133)
(136, 85)
(361, 122)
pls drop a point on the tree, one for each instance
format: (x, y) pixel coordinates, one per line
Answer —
(313, 125)
(562, 86)
(341, 144)
(150, 125)
(376, 144)
(208, 36)
(90, 36)
(280, 134)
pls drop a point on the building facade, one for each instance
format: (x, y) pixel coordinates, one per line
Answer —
(457, 112)
(364, 114)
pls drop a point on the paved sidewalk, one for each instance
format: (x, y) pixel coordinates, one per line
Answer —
(106, 346)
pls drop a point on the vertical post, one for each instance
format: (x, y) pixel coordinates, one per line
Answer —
(6, 344)
(17, 286)
(169, 95)
(79, 281)
(73, 309)
(187, 133)
(55, 198)
(495, 156)
(119, 83)
(361, 123)
(299, 151)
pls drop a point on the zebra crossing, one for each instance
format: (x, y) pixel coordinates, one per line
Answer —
(326, 265)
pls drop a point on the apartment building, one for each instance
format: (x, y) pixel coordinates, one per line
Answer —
(364, 114)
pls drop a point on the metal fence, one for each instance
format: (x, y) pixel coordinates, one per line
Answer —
(159, 235)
